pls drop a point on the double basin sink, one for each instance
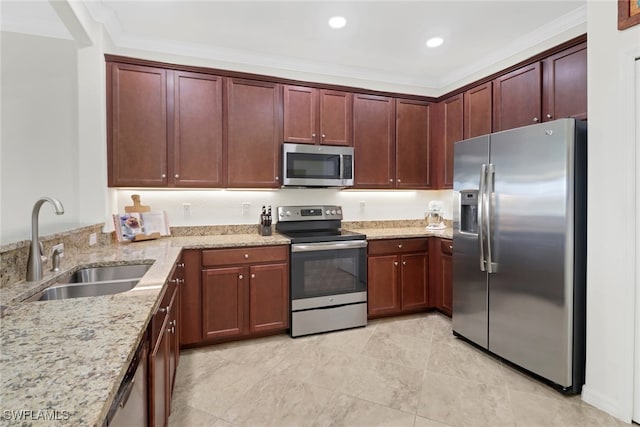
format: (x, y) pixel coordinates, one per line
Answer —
(94, 281)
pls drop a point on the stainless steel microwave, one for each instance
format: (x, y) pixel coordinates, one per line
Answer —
(306, 165)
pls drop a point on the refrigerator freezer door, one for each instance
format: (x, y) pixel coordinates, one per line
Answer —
(531, 290)
(470, 315)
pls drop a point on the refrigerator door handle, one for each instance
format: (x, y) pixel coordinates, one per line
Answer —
(490, 184)
(481, 213)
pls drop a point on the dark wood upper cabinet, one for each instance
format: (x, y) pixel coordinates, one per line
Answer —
(373, 141)
(317, 116)
(517, 98)
(413, 144)
(254, 133)
(565, 84)
(449, 131)
(478, 110)
(336, 117)
(137, 125)
(197, 122)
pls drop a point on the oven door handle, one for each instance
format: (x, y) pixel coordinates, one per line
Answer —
(328, 246)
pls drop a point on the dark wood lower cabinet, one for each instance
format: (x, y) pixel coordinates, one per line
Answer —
(397, 276)
(442, 274)
(158, 378)
(268, 297)
(223, 295)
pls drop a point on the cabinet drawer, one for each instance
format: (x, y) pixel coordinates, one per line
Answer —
(162, 312)
(446, 246)
(377, 247)
(218, 257)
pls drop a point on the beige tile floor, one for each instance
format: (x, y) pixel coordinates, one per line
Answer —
(405, 371)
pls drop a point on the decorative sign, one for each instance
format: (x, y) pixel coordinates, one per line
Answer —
(628, 13)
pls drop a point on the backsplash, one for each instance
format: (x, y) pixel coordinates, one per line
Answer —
(14, 256)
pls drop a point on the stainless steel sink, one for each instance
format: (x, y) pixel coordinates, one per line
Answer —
(109, 273)
(87, 289)
(94, 281)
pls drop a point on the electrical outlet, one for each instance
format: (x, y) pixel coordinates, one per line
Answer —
(246, 206)
(186, 210)
(93, 239)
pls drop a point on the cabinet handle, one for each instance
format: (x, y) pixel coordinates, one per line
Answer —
(181, 265)
(163, 309)
(549, 116)
(240, 277)
(253, 276)
(176, 176)
(536, 120)
(175, 281)
(395, 263)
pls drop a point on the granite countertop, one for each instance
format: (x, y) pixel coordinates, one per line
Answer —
(64, 360)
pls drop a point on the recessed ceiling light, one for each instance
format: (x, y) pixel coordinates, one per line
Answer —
(337, 22)
(434, 42)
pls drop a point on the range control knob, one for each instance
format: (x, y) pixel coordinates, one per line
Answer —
(327, 212)
(333, 212)
(288, 213)
(339, 212)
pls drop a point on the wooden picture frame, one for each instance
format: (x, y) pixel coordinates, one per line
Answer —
(628, 13)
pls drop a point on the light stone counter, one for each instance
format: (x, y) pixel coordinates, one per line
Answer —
(64, 360)
(404, 232)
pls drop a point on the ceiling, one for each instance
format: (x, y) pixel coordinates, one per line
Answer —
(382, 41)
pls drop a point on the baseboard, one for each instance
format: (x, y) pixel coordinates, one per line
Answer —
(604, 403)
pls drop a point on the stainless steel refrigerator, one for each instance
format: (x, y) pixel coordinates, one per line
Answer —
(519, 239)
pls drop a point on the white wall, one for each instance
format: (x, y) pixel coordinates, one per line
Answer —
(39, 139)
(611, 249)
(225, 206)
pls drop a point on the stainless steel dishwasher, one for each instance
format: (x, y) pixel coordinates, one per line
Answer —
(129, 408)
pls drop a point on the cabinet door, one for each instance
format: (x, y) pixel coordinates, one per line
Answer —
(190, 321)
(413, 144)
(446, 284)
(254, 133)
(452, 131)
(477, 110)
(414, 281)
(565, 84)
(373, 141)
(300, 114)
(336, 113)
(268, 297)
(137, 125)
(223, 302)
(517, 98)
(197, 130)
(158, 381)
(382, 286)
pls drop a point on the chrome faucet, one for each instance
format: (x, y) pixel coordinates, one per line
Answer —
(34, 267)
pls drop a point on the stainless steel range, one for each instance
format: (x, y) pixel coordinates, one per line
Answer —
(328, 270)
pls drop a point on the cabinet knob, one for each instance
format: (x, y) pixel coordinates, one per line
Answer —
(404, 262)
(253, 276)
(246, 256)
(240, 277)
(176, 176)
(399, 246)
(313, 135)
(277, 178)
(399, 180)
(162, 310)
(181, 265)
(536, 120)
(390, 179)
(323, 135)
(549, 116)
(163, 176)
(395, 263)
(451, 247)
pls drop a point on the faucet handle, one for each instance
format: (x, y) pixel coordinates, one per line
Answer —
(57, 251)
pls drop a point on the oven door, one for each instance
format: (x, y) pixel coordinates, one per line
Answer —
(328, 273)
